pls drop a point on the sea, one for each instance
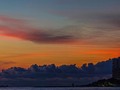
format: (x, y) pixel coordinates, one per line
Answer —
(60, 88)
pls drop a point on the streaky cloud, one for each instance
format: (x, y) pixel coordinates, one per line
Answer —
(18, 28)
(6, 62)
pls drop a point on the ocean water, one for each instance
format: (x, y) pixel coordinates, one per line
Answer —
(65, 88)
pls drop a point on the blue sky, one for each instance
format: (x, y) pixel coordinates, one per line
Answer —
(53, 12)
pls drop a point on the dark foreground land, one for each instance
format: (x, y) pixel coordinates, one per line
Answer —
(105, 83)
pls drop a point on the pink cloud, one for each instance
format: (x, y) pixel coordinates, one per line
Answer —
(18, 28)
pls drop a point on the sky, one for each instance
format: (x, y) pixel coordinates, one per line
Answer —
(58, 31)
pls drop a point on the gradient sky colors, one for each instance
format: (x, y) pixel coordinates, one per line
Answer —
(58, 31)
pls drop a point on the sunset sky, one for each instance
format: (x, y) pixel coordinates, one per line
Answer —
(58, 31)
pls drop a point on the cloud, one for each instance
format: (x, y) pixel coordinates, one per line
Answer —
(112, 19)
(27, 55)
(17, 28)
(61, 75)
(92, 35)
(6, 62)
(6, 19)
(104, 67)
(64, 71)
(102, 29)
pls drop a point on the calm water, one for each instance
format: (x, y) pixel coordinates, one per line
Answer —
(81, 88)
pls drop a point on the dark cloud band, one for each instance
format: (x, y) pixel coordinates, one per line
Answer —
(17, 28)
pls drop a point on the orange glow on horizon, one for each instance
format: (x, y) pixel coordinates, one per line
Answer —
(26, 54)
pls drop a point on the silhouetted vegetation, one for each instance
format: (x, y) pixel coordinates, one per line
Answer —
(105, 83)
